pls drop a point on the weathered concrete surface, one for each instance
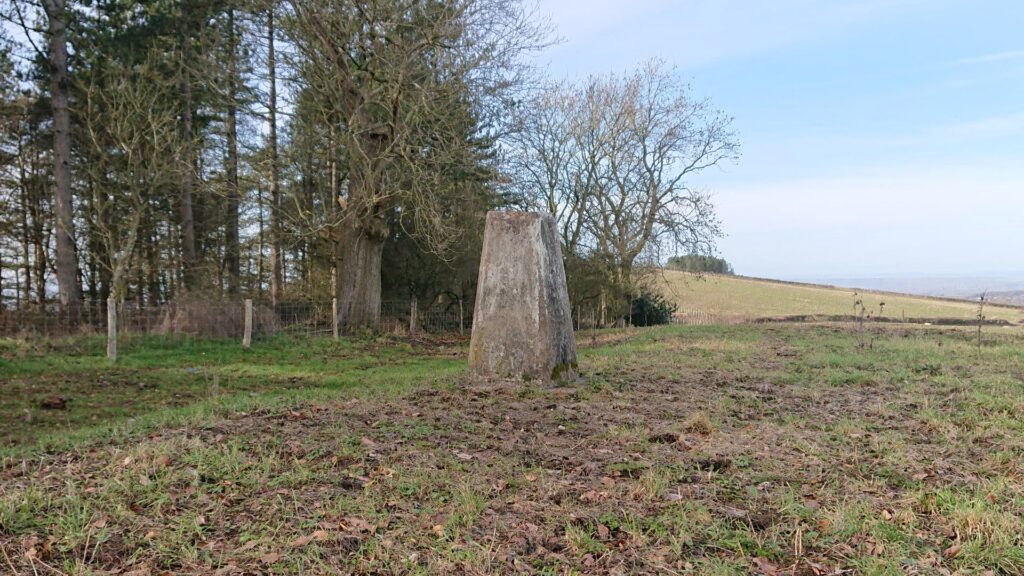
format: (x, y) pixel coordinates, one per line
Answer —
(522, 322)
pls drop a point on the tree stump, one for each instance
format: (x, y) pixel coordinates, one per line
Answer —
(522, 322)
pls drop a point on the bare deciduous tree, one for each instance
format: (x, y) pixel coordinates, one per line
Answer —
(612, 159)
(131, 125)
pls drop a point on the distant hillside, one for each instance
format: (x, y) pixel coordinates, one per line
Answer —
(967, 287)
(1011, 297)
(747, 298)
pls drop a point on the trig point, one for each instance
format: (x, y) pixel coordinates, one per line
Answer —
(522, 322)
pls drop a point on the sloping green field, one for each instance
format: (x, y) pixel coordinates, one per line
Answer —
(735, 297)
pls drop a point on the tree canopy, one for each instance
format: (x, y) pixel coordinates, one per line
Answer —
(321, 149)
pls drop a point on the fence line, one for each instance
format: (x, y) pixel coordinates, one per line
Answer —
(90, 325)
(696, 318)
(121, 327)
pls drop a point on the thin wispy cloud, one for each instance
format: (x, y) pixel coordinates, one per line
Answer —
(990, 126)
(985, 128)
(990, 58)
(614, 33)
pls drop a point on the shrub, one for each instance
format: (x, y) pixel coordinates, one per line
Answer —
(649, 309)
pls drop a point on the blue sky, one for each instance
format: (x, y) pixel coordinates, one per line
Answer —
(880, 137)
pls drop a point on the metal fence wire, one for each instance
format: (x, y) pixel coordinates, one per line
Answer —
(171, 324)
(167, 325)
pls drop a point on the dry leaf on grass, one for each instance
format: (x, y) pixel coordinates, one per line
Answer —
(766, 566)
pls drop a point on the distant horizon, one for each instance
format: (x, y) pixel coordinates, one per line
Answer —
(944, 285)
(952, 285)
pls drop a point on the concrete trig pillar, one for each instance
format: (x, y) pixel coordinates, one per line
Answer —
(522, 322)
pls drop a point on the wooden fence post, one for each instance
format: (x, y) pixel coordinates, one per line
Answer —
(462, 321)
(334, 317)
(412, 317)
(111, 329)
(247, 335)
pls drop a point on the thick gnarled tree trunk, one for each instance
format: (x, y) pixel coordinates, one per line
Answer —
(358, 257)
(361, 234)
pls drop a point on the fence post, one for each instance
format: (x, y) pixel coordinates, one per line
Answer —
(247, 335)
(462, 321)
(334, 317)
(603, 308)
(412, 317)
(111, 329)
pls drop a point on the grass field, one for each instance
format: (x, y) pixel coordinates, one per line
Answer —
(747, 298)
(766, 449)
(187, 375)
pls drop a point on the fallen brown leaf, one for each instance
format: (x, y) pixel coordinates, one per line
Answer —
(247, 546)
(765, 566)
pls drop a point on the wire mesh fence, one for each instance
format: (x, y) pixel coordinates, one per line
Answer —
(696, 318)
(139, 326)
(85, 328)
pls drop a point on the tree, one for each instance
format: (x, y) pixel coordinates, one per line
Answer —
(10, 143)
(408, 78)
(232, 248)
(553, 160)
(620, 185)
(187, 157)
(700, 263)
(131, 125)
(276, 252)
(658, 137)
(64, 229)
(311, 137)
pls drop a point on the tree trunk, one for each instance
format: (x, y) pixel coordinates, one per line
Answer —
(231, 245)
(263, 242)
(26, 258)
(276, 255)
(188, 227)
(358, 258)
(39, 246)
(67, 260)
(152, 265)
(363, 231)
(38, 241)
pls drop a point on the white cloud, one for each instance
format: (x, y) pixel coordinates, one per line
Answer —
(616, 33)
(989, 58)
